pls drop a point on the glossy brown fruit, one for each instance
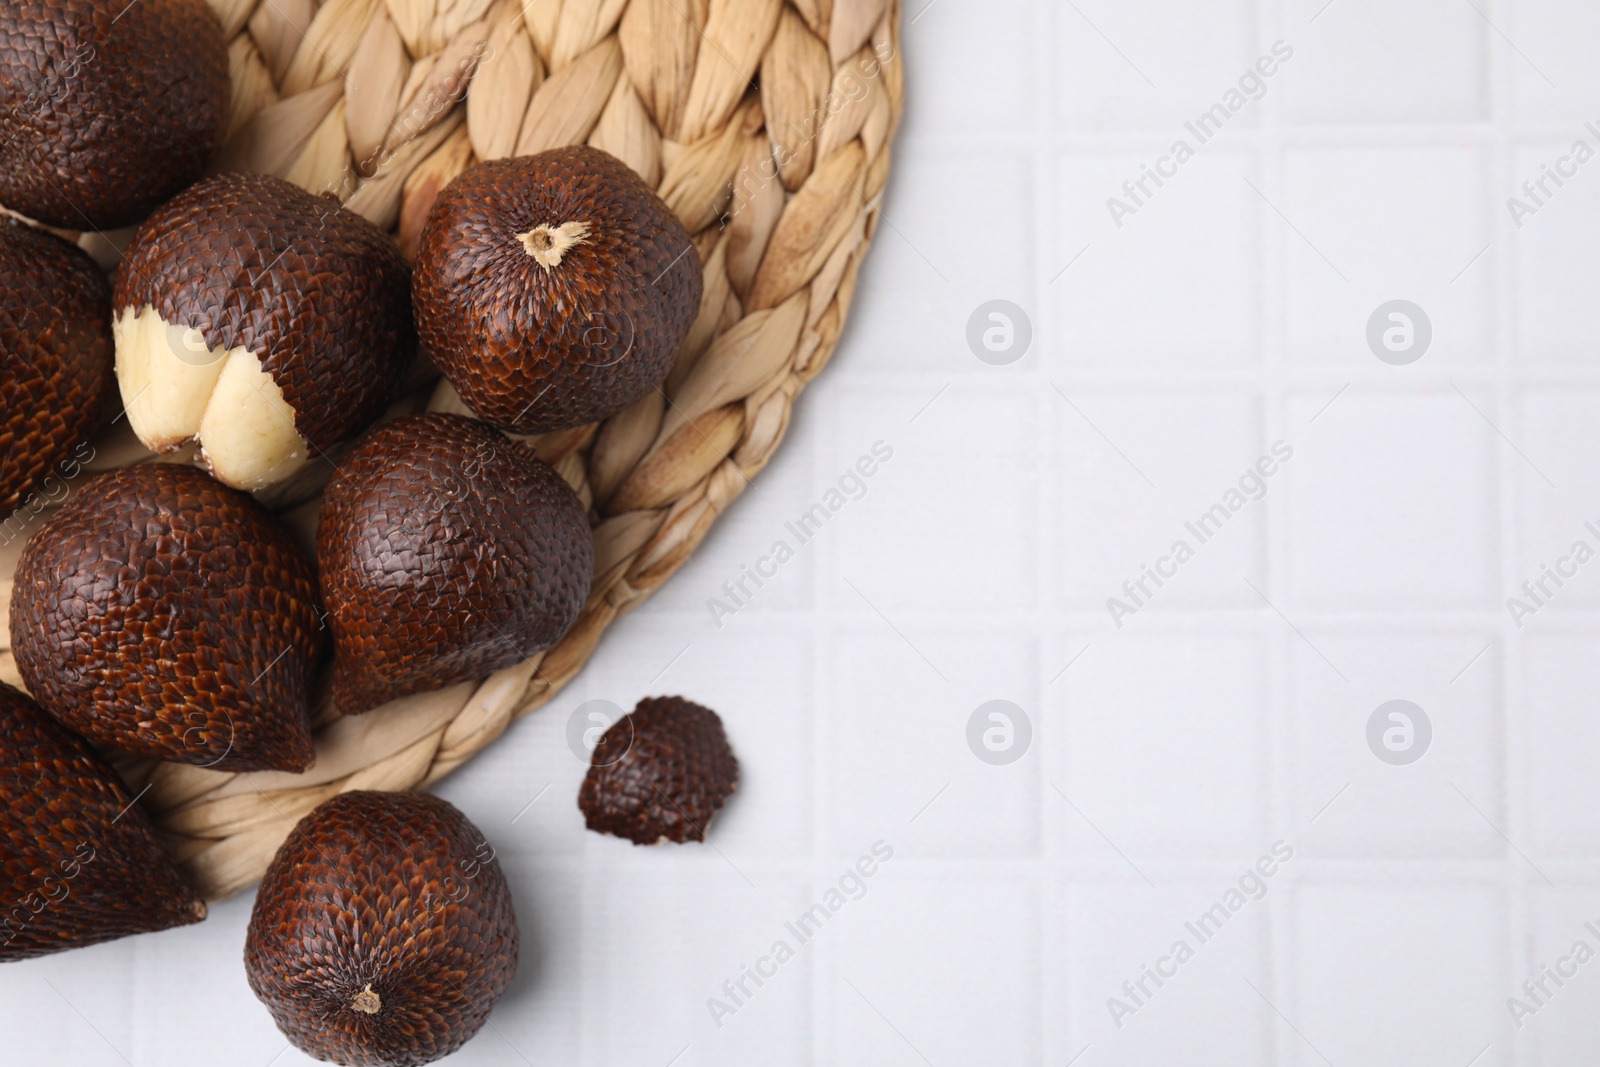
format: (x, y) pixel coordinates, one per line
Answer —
(106, 108)
(446, 552)
(55, 360)
(261, 321)
(383, 932)
(170, 616)
(554, 289)
(80, 863)
(659, 773)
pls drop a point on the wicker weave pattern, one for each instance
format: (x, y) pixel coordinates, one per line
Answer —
(765, 125)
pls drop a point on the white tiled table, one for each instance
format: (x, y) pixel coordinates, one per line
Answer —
(1226, 314)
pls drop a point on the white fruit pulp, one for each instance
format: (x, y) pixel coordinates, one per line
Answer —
(176, 390)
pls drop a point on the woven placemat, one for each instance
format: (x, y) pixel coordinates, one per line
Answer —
(764, 124)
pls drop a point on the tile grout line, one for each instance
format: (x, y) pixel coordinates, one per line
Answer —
(1273, 358)
(1516, 889)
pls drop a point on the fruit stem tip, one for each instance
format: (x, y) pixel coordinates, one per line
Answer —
(547, 244)
(367, 1001)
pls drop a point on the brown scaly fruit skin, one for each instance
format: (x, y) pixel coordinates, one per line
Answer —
(55, 356)
(99, 123)
(383, 932)
(317, 292)
(659, 773)
(80, 864)
(446, 552)
(167, 615)
(534, 349)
